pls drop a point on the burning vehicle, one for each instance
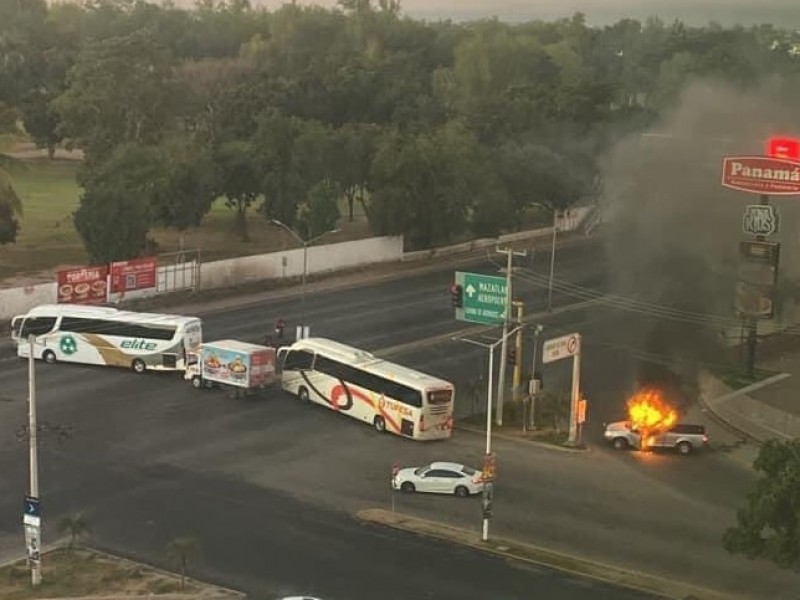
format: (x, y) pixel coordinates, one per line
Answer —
(652, 423)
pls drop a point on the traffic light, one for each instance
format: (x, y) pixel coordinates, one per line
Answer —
(457, 295)
(511, 356)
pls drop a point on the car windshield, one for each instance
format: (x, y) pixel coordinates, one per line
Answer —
(421, 470)
(468, 471)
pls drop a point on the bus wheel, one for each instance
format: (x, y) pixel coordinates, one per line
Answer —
(380, 424)
(49, 357)
(302, 393)
(138, 366)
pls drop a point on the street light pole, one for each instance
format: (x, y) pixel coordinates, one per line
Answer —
(305, 274)
(305, 244)
(35, 561)
(489, 393)
(552, 262)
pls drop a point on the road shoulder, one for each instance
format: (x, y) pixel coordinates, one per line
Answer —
(571, 564)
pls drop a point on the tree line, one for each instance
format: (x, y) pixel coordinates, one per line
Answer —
(437, 130)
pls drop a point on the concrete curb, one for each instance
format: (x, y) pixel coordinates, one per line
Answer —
(529, 553)
(521, 440)
(709, 405)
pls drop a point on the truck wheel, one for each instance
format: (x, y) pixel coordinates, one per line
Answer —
(197, 382)
(620, 443)
(302, 393)
(138, 366)
(685, 448)
(49, 357)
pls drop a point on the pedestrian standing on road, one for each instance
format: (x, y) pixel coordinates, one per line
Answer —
(280, 324)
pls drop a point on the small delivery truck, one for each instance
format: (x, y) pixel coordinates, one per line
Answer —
(240, 365)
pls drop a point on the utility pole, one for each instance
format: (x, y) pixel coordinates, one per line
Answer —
(501, 379)
(33, 532)
(533, 390)
(517, 381)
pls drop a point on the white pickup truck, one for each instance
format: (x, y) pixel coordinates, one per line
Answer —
(682, 437)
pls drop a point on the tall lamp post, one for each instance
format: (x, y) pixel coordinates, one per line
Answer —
(306, 244)
(552, 252)
(489, 391)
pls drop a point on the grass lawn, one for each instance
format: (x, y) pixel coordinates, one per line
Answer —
(86, 573)
(48, 239)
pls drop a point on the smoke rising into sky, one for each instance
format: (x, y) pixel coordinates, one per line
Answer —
(673, 230)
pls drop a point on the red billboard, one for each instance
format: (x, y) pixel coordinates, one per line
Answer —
(761, 175)
(84, 285)
(130, 275)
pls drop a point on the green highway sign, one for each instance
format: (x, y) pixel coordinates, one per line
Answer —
(484, 298)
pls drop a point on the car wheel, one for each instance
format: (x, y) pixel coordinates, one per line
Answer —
(407, 487)
(138, 366)
(380, 424)
(461, 492)
(302, 393)
(49, 357)
(685, 448)
(620, 443)
(197, 382)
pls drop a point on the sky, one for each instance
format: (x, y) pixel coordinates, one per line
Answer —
(696, 12)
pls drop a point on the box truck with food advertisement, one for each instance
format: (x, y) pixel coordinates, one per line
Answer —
(240, 365)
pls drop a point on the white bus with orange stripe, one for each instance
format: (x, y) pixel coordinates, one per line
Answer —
(389, 396)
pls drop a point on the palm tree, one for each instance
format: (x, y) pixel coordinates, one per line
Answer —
(77, 525)
(183, 550)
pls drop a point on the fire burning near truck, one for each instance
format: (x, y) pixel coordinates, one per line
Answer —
(649, 413)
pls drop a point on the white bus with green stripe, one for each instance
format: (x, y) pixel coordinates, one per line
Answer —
(353, 382)
(98, 335)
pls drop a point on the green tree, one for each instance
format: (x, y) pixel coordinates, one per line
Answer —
(10, 202)
(356, 144)
(769, 524)
(114, 215)
(320, 214)
(189, 184)
(426, 184)
(120, 90)
(76, 526)
(239, 179)
(184, 551)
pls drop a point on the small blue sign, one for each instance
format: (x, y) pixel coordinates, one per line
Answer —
(32, 506)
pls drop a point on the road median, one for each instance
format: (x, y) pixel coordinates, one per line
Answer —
(572, 564)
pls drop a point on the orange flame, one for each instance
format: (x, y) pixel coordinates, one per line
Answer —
(649, 412)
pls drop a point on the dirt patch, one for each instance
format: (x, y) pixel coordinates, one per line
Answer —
(85, 573)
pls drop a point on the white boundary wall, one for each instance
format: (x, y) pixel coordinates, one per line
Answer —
(289, 263)
(236, 271)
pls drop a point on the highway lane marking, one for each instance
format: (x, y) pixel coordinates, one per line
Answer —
(423, 343)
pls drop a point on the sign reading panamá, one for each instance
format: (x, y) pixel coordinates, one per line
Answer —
(761, 175)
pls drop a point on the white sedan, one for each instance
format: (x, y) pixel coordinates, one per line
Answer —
(439, 478)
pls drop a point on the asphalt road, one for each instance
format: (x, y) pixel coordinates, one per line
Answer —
(266, 484)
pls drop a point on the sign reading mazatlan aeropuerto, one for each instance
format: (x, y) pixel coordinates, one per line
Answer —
(761, 175)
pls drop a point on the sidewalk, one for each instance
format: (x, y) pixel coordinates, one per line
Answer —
(766, 410)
